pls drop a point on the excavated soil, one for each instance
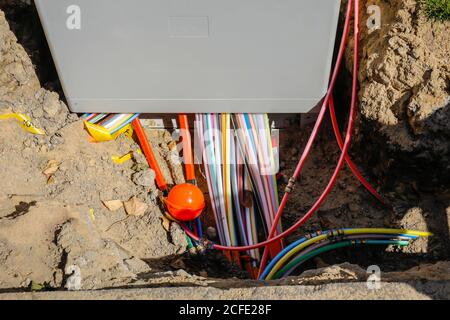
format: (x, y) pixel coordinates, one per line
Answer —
(51, 225)
(402, 142)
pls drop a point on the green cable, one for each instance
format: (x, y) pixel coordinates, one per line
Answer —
(189, 241)
(331, 247)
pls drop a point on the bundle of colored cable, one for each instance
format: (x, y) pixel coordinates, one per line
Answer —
(300, 251)
(112, 122)
(240, 170)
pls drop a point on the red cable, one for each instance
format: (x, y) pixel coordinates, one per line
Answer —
(148, 152)
(341, 161)
(350, 163)
(187, 148)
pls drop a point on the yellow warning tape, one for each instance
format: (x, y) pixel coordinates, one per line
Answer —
(24, 122)
(101, 134)
(125, 158)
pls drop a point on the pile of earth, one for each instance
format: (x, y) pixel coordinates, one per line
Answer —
(52, 215)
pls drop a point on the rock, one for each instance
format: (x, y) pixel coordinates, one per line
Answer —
(145, 178)
(57, 139)
(178, 236)
(51, 105)
(182, 273)
(17, 70)
(73, 282)
(37, 113)
(72, 117)
(343, 272)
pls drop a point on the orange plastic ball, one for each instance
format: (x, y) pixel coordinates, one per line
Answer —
(185, 202)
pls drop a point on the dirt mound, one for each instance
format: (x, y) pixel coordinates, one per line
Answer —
(405, 92)
(51, 222)
(403, 140)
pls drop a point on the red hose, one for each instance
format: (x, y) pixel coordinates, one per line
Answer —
(148, 152)
(187, 148)
(342, 157)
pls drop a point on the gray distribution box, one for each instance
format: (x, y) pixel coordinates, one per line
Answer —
(171, 56)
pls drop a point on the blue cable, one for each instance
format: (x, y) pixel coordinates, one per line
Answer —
(199, 228)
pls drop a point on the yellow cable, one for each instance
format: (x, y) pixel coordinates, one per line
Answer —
(388, 231)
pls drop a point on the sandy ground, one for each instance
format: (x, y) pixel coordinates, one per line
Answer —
(49, 223)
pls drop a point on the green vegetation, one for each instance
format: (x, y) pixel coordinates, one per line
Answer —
(437, 9)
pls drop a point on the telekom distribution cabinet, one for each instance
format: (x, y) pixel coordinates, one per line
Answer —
(171, 56)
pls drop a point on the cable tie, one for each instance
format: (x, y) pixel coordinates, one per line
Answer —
(340, 234)
(291, 185)
(335, 235)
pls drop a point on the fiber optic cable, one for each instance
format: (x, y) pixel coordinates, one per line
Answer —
(112, 120)
(201, 128)
(323, 196)
(96, 117)
(240, 157)
(125, 123)
(189, 161)
(88, 116)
